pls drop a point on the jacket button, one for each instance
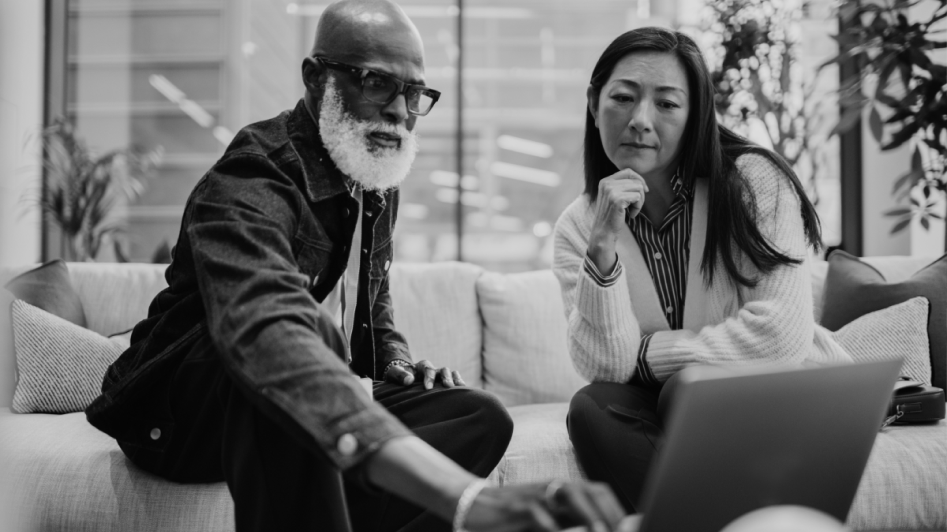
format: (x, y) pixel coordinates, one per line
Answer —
(387, 264)
(347, 445)
(155, 433)
(368, 213)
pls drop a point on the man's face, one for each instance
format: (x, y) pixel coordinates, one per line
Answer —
(396, 112)
(377, 154)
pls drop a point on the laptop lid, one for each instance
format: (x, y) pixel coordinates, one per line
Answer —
(737, 441)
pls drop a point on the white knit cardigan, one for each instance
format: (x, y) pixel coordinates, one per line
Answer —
(725, 323)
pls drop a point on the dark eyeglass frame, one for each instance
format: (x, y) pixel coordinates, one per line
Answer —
(401, 86)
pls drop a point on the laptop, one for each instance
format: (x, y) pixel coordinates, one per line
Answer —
(741, 440)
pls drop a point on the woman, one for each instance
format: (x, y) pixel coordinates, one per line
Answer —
(688, 246)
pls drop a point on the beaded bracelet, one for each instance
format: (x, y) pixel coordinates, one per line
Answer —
(465, 502)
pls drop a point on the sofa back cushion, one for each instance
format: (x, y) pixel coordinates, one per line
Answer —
(525, 358)
(116, 296)
(435, 307)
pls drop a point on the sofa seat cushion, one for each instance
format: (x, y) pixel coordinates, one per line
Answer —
(904, 485)
(540, 450)
(60, 473)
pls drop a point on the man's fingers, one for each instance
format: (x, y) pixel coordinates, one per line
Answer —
(426, 370)
(399, 375)
(572, 499)
(458, 380)
(604, 499)
(444, 374)
(541, 520)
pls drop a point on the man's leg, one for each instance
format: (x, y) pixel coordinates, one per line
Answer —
(469, 426)
(276, 484)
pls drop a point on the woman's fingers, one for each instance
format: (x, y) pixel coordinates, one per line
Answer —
(458, 380)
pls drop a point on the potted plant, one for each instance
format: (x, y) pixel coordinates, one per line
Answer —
(83, 188)
(896, 71)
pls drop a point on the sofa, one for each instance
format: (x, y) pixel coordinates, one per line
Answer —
(506, 333)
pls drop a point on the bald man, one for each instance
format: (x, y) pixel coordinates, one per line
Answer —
(245, 369)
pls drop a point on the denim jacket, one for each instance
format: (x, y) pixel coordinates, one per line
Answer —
(264, 238)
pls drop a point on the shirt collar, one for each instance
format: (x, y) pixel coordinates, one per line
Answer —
(680, 186)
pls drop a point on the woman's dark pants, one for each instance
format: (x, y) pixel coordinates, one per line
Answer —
(616, 430)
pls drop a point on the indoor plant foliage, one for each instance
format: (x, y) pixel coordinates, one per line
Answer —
(82, 188)
(757, 77)
(900, 70)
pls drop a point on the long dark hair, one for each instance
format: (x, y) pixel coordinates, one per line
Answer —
(717, 148)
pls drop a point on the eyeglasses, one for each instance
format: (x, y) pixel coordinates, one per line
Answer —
(383, 89)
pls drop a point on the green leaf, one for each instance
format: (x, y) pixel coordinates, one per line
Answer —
(909, 178)
(849, 118)
(901, 211)
(900, 225)
(874, 123)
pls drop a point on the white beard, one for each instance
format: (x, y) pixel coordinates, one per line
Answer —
(347, 139)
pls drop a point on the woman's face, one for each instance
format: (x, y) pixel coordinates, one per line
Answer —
(641, 113)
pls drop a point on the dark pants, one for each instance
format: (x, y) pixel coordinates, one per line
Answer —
(616, 430)
(277, 484)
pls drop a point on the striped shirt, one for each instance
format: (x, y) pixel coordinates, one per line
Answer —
(666, 251)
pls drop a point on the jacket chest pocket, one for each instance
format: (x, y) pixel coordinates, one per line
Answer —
(312, 257)
(381, 259)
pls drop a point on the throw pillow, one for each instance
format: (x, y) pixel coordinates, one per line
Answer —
(48, 287)
(525, 345)
(854, 288)
(59, 364)
(897, 331)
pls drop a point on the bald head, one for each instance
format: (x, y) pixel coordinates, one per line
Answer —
(362, 31)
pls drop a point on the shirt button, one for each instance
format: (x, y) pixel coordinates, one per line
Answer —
(155, 433)
(347, 445)
(368, 213)
(365, 251)
(387, 264)
(658, 255)
(670, 309)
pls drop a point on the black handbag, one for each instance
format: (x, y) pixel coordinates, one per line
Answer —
(913, 402)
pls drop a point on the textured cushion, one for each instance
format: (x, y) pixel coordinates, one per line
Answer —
(59, 364)
(904, 485)
(540, 450)
(435, 307)
(896, 331)
(854, 288)
(63, 474)
(48, 287)
(525, 355)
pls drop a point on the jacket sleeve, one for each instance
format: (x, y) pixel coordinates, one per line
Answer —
(389, 343)
(773, 324)
(278, 344)
(603, 334)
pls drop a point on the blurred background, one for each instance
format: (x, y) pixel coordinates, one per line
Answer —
(124, 104)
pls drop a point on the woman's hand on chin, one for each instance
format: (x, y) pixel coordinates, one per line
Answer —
(620, 192)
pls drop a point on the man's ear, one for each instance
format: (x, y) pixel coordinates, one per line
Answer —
(591, 94)
(313, 75)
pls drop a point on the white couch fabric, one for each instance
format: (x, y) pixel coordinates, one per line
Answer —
(504, 332)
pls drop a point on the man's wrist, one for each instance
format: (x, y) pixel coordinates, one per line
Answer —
(396, 362)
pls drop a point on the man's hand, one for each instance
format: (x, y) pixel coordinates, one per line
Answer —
(406, 375)
(546, 507)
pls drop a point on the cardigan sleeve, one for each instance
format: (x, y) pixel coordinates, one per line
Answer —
(774, 323)
(603, 333)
